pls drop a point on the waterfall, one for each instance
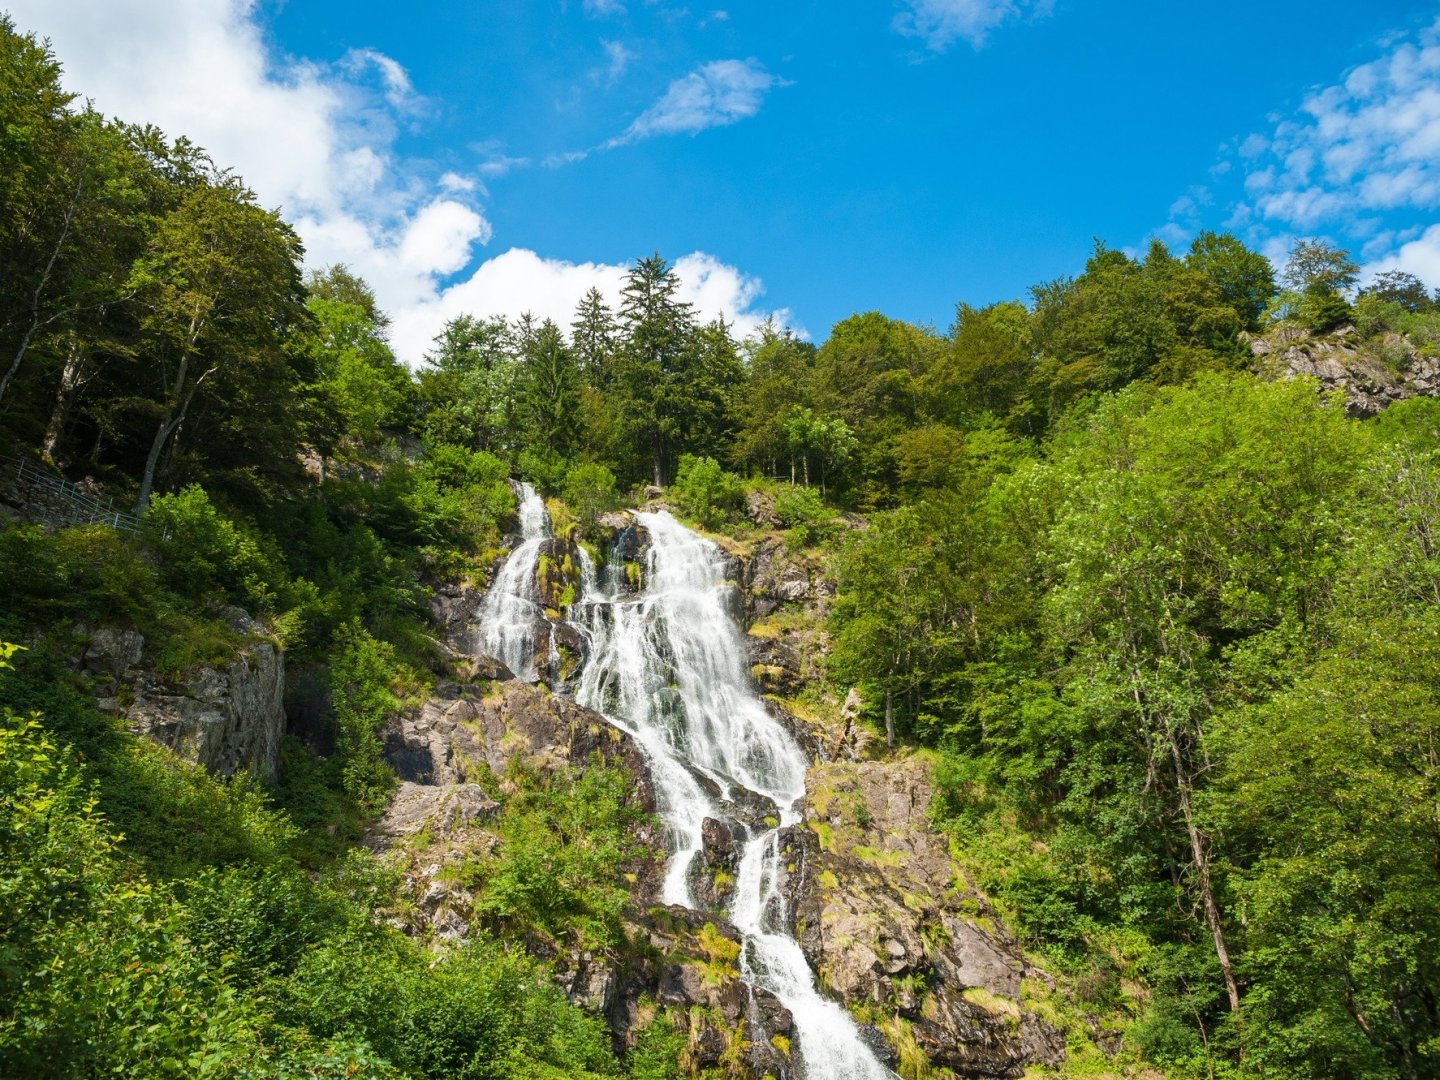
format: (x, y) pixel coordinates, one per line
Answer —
(510, 613)
(668, 666)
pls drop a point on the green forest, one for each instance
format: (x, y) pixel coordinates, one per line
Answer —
(1168, 627)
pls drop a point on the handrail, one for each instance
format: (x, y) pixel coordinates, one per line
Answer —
(80, 507)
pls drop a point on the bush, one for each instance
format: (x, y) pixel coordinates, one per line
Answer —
(362, 671)
(202, 553)
(706, 492)
(804, 514)
(542, 467)
(589, 490)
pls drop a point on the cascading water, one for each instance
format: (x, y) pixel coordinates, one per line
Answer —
(668, 666)
(510, 612)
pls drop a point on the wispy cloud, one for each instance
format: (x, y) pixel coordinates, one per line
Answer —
(716, 94)
(617, 62)
(399, 91)
(604, 9)
(940, 23)
(500, 165)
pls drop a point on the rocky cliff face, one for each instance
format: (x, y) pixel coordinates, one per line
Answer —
(227, 718)
(440, 816)
(897, 933)
(1372, 375)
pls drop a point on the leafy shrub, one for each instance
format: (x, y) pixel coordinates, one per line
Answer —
(589, 490)
(477, 1013)
(706, 492)
(804, 514)
(559, 869)
(362, 671)
(203, 553)
(542, 467)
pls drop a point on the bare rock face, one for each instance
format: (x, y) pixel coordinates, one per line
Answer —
(885, 918)
(1373, 375)
(455, 609)
(228, 719)
(760, 509)
(463, 728)
(775, 577)
(691, 966)
(448, 810)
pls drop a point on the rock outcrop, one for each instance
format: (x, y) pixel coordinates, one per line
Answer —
(227, 718)
(890, 924)
(1373, 375)
(679, 960)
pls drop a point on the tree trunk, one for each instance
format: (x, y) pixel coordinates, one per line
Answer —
(70, 380)
(35, 321)
(1202, 872)
(168, 423)
(805, 463)
(889, 719)
(655, 445)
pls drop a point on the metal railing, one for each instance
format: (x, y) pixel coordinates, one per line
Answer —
(76, 506)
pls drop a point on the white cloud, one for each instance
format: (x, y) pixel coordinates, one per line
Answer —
(716, 94)
(499, 166)
(318, 141)
(398, 89)
(1370, 142)
(617, 62)
(1420, 257)
(941, 22)
(603, 9)
(518, 280)
(315, 140)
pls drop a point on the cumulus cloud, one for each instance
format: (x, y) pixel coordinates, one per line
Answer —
(318, 141)
(519, 280)
(716, 94)
(1420, 256)
(940, 23)
(1368, 143)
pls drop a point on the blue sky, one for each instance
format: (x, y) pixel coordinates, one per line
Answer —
(808, 159)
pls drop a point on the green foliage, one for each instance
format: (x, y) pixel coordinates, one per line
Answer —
(362, 671)
(479, 1013)
(804, 514)
(203, 554)
(559, 871)
(543, 468)
(589, 491)
(706, 492)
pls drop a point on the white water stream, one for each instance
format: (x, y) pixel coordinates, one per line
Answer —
(668, 666)
(511, 611)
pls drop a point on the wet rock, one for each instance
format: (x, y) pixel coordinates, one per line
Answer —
(881, 910)
(557, 573)
(691, 968)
